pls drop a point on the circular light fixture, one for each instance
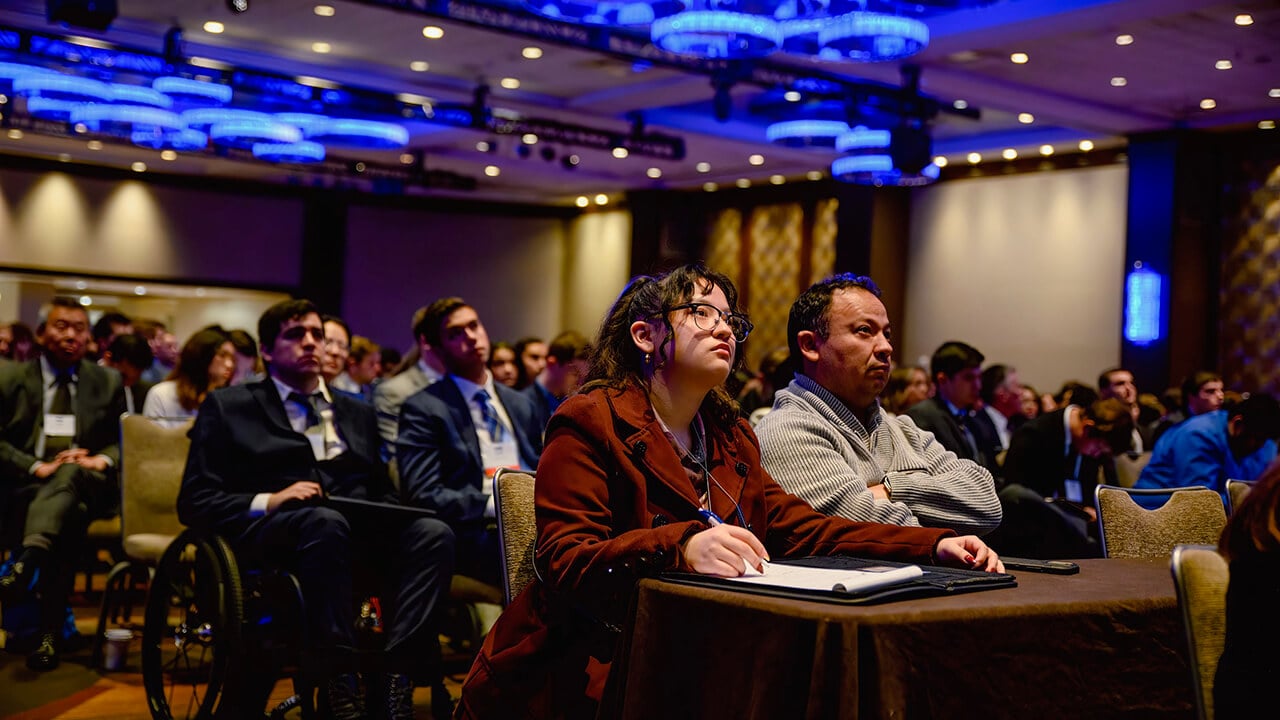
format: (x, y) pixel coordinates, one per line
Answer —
(361, 134)
(654, 173)
(742, 183)
(1009, 154)
(1266, 124)
(321, 47)
(802, 133)
(289, 152)
(419, 66)
(492, 170)
(1222, 65)
(1119, 81)
(1274, 92)
(627, 13)
(48, 109)
(432, 32)
(862, 138)
(792, 96)
(186, 140)
(510, 83)
(1124, 40)
(94, 144)
(1208, 104)
(12, 71)
(121, 119)
(940, 161)
(62, 87)
(878, 170)
(139, 95)
(756, 160)
(1086, 145)
(710, 187)
(777, 179)
(213, 27)
(532, 52)
(974, 158)
(703, 167)
(188, 91)
(139, 290)
(960, 104)
(1019, 58)
(1244, 19)
(15, 134)
(138, 167)
(602, 199)
(529, 139)
(873, 37)
(1026, 118)
(621, 152)
(582, 201)
(324, 10)
(1046, 150)
(247, 133)
(168, 155)
(717, 34)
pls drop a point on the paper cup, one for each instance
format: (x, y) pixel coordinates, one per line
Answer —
(116, 653)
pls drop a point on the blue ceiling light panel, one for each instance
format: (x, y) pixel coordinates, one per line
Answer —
(296, 152)
(624, 13)
(717, 34)
(140, 95)
(203, 118)
(49, 109)
(806, 132)
(57, 86)
(1142, 296)
(192, 92)
(185, 140)
(122, 119)
(363, 134)
(871, 161)
(872, 37)
(245, 133)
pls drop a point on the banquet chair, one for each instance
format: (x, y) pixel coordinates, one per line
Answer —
(517, 532)
(1129, 467)
(152, 459)
(1193, 514)
(1200, 577)
(1236, 492)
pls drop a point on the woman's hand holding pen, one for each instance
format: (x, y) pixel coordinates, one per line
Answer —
(968, 552)
(724, 551)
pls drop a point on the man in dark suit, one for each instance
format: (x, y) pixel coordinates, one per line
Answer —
(567, 358)
(59, 447)
(952, 415)
(457, 432)
(265, 455)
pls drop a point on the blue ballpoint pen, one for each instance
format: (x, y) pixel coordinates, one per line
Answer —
(710, 518)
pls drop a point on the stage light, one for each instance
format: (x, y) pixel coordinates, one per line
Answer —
(238, 6)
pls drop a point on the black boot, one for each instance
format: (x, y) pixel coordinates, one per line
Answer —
(399, 697)
(45, 657)
(21, 577)
(344, 698)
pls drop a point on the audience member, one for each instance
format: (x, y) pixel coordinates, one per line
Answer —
(337, 348)
(248, 364)
(59, 448)
(532, 353)
(391, 393)
(1002, 400)
(567, 357)
(1030, 405)
(364, 362)
(635, 462)
(390, 359)
(164, 347)
(457, 432)
(829, 442)
(504, 365)
(757, 394)
(1072, 392)
(1118, 383)
(1251, 544)
(1237, 442)
(1201, 392)
(106, 329)
(906, 387)
(263, 456)
(129, 355)
(952, 414)
(21, 345)
(207, 362)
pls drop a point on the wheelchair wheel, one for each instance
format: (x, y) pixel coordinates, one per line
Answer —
(193, 622)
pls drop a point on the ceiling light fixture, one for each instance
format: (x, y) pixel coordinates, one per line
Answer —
(246, 133)
(15, 134)
(510, 83)
(1124, 40)
(138, 167)
(1009, 154)
(419, 66)
(1222, 65)
(813, 175)
(1019, 58)
(808, 132)
(324, 10)
(940, 161)
(1026, 118)
(213, 27)
(960, 104)
(872, 37)
(186, 140)
(1118, 81)
(531, 52)
(742, 183)
(717, 34)
(238, 6)
(432, 32)
(756, 159)
(710, 187)
(654, 173)
(188, 91)
(321, 47)
(168, 155)
(1266, 124)
(1274, 92)
(93, 144)
(492, 170)
(298, 152)
(602, 199)
(792, 96)
(703, 167)
(1208, 104)
(1086, 145)
(974, 158)
(620, 152)
(777, 179)
(582, 201)
(1244, 19)
(1046, 150)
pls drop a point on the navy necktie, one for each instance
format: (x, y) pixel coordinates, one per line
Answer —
(489, 415)
(308, 402)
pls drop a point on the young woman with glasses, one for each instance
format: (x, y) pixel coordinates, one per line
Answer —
(649, 469)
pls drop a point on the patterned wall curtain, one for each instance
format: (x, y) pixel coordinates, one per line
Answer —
(1250, 315)
(772, 253)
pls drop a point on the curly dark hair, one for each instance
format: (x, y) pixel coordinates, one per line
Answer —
(616, 362)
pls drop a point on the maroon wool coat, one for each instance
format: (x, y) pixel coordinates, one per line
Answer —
(614, 505)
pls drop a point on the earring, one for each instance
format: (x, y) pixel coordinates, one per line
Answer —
(648, 358)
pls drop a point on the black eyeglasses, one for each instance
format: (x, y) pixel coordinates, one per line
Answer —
(705, 317)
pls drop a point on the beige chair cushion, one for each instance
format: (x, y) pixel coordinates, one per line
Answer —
(152, 460)
(1201, 576)
(513, 497)
(1192, 515)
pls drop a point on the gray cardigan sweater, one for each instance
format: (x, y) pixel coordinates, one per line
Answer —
(815, 447)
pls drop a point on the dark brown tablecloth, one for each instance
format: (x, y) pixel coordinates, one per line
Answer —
(1107, 642)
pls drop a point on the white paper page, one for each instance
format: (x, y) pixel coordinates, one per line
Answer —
(810, 578)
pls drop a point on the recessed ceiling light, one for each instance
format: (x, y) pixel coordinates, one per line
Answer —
(974, 158)
(1266, 124)
(80, 128)
(94, 144)
(492, 170)
(529, 139)
(1019, 58)
(1009, 154)
(533, 52)
(1208, 104)
(1124, 39)
(582, 201)
(814, 175)
(82, 285)
(654, 172)
(756, 159)
(1119, 81)
(1222, 65)
(703, 167)
(139, 290)
(406, 158)
(602, 199)
(324, 10)
(214, 27)
(168, 155)
(792, 96)
(419, 66)
(432, 32)
(321, 47)
(1086, 145)
(1046, 150)
(138, 166)
(710, 186)
(963, 56)
(743, 183)
(64, 157)
(620, 152)
(15, 134)
(1274, 92)
(1026, 118)
(483, 146)
(86, 300)
(960, 104)
(1244, 19)
(777, 179)
(940, 161)
(510, 83)
(3, 98)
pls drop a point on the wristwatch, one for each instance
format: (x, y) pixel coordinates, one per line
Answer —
(888, 487)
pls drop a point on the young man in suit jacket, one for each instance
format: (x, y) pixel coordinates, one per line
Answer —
(456, 433)
(59, 447)
(952, 415)
(264, 456)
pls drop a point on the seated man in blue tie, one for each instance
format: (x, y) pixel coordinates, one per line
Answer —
(263, 456)
(456, 433)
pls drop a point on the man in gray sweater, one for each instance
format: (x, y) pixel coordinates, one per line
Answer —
(828, 441)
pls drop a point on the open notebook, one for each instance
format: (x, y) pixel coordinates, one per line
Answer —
(850, 580)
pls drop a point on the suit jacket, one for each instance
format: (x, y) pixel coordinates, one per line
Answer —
(544, 403)
(99, 402)
(1037, 460)
(614, 505)
(242, 445)
(438, 453)
(934, 415)
(389, 396)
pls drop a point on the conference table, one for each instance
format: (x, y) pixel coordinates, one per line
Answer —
(1107, 642)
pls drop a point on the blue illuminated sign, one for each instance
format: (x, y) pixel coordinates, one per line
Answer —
(1143, 290)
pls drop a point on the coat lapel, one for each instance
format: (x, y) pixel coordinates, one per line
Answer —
(272, 405)
(460, 413)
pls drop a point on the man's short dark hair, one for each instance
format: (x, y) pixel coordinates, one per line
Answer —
(1260, 414)
(952, 357)
(992, 378)
(1104, 378)
(279, 314)
(103, 328)
(326, 319)
(812, 310)
(1112, 422)
(69, 303)
(567, 347)
(132, 349)
(434, 317)
(1191, 386)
